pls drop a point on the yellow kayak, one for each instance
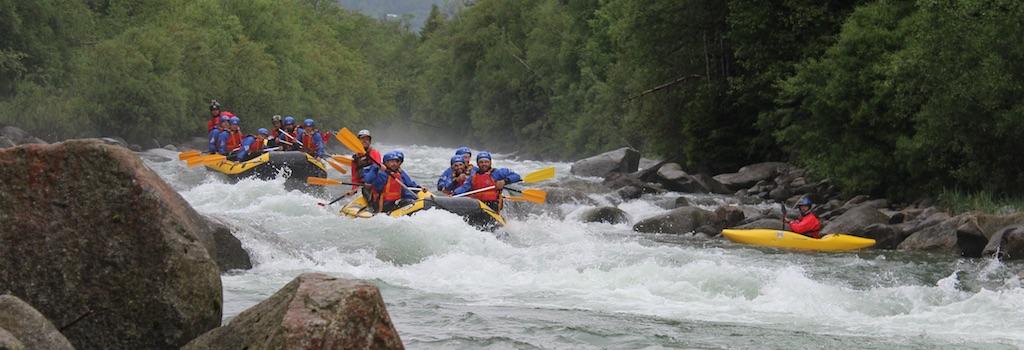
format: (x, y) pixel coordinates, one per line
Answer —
(833, 242)
(474, 212)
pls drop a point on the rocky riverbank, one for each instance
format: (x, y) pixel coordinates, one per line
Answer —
(918, 226)
(95, 242)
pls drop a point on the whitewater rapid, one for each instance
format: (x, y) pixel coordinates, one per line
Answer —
(556, 282)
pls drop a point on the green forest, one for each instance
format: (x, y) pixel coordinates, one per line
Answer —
(893, 98)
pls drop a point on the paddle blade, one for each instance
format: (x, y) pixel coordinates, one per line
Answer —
(540, 175)
(319, 181)
(340, 168)
(350, 141)
(188, 155)
(205, 160)
(535, 196)
(346, 160)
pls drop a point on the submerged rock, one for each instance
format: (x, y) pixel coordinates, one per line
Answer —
(611, 215)
(28, 326)
(313, 311)
(1006, 244)
(677, 221)
(89, 235)
(623, 160)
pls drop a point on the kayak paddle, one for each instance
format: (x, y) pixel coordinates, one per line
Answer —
(530, 195)
(188, 155)
(205, 160)
(319, 181)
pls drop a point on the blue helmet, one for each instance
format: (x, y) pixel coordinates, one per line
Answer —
(235, 120)
(263, 131)
(308, 122)
(462, 150)
(457, 159)
(804, 201)
(289, 120)
(225, 118)
(483, 155)
(393, 155)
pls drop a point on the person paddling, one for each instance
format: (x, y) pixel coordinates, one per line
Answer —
(312, 142)
(288, 135)
(808, 224)
(467, 157)
(361, 161)
(215, 115)
(233, 138)
(485, 176)
(275, 130)
(214, 146)
(252, 145)
(387, 191)
(454, 176)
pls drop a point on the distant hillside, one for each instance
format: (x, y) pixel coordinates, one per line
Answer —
(418, 9)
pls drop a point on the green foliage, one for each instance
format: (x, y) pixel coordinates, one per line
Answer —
(146, 69)
(960, 202)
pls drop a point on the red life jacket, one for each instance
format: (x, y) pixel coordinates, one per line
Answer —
(234, 141)
(256, 146)
(357, 172)
(307, 142)
(274, 134)
(808, 225)
(392, 191)
(484, 180)
(212, 123)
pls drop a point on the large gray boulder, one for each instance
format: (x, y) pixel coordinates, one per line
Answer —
(674, 178)
(769, 223)
(313, 311)
(623, 160)
(611, 215)
(9, 342)
(28, 326)
(1006, 244)
(885, 236)
(751, 174)
(224, 247)
(91, 236)
(955, 236)
(855, 219)
(677, 221)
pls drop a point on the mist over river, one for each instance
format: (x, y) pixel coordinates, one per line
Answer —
(555, 282)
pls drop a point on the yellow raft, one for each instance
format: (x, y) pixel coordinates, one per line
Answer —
(474, 212)
(833, 242)
(268, 165)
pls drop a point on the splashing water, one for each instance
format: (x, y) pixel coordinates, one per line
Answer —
(556, 282)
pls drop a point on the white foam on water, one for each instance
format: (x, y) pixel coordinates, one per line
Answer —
(549, 263)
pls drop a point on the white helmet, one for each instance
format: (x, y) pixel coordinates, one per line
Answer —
(363, 132)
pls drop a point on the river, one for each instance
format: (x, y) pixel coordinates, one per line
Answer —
(557, 283)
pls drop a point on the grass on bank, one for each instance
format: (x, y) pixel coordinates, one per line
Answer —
(983, 201)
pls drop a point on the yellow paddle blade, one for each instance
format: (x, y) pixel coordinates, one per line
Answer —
(350, 141)
(319, 181)
(340, 168)
(540, 175)
(188, 154)
(535, 196)
(346, 160)
(205, 160)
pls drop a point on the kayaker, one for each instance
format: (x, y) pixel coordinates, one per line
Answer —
(288, 137)
(484, 176)
(214, 116)
(252, 145)
(467, 156)
(234, 136)
(808, 224)
(275, 131)
(361, 161)
(387, 191)
(454, 176)
(214, 137)
(312, 142)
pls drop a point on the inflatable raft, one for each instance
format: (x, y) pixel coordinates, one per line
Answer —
(833, 242)
(267, 166)
(474, 212)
